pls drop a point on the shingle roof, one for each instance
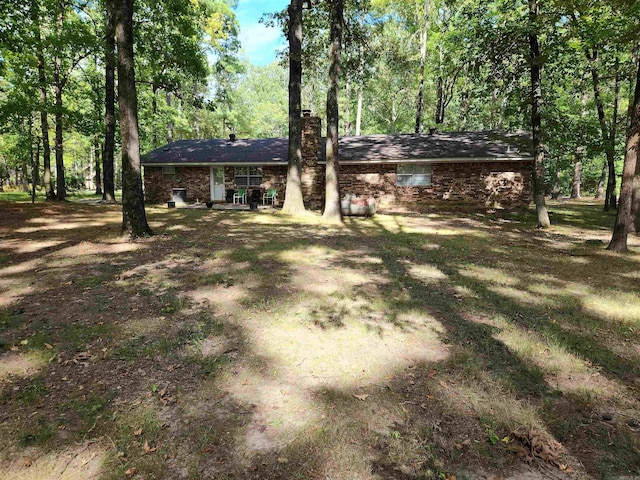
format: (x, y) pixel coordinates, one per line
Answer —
(481, 146)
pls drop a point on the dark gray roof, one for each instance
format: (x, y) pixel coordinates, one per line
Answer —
(456, 146)
(249, 151)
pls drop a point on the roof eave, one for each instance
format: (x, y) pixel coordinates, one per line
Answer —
(431, 160)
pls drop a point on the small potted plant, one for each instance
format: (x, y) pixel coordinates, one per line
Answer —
(209, 204)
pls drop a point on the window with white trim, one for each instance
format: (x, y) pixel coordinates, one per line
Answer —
(248, 176)
(412, 175)
(169, 172)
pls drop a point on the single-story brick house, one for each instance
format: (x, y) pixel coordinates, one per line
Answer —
(486, 168)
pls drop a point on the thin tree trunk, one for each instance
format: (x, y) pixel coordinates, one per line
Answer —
(424, 20)
(610, 196)
(170, 123)
(196, 126)
(579, 152)
(635, 201)
(439, 117)
(347, 109)
(332, 210)
(57, 81)
(536, 122)
(577, 173)
(96, 150)
(493, 109)
(134, 218)
(35, 172)
(465, 100)
(108, 193)
(602, 181)
(32, 158)
(630, 184)
(555, 190)
(154, 112)
(360, 91)
(293, 199)
(42, 87)
(359, 112)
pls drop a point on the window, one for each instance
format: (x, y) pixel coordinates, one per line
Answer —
(169, 173)
(248, 176)
(409, 175)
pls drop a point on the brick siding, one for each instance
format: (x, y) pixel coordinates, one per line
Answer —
(481, 183)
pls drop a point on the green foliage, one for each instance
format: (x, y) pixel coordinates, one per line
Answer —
(193, 85)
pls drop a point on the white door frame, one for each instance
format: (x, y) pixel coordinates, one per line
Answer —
(212, 184)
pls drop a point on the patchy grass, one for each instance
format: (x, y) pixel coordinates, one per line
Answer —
(254, 345)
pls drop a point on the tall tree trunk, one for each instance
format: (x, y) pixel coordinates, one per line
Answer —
(602, 181)
(134, 218)
(359, 111)
(439, 117)
(347, 109)
(423, 13)
(536, 122)
(57, 82)
(196, 126)
(154, 112)
(42, 87)
(332, 210)
(108, 193)
(630, 181)
(35, 172)
(579, 152)
(610, 196)
(555, 189)
(96, 150)
(635, 201)
(577, 173)
(465, 100)
(493, 109)
(360, 92)
(293, 199)
(170, 123)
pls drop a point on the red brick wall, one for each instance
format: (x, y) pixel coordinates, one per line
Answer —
(484, 183)
(158, 188)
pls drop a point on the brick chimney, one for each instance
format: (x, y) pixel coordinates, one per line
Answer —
(312, 173)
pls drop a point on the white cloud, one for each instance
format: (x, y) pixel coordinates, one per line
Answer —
(260, 43)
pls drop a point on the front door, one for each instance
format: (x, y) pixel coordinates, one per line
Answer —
(217, 184)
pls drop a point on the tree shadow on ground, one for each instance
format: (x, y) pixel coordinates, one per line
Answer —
(232, 316)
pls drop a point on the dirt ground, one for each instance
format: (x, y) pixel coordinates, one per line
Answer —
(445, 345)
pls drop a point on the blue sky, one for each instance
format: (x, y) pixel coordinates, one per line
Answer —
(259, 43)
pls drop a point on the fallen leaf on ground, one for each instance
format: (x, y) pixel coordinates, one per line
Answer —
(138, 432)
(148, 448)
(131, 471)
(541, 445)
(283, 460)
(362, 396)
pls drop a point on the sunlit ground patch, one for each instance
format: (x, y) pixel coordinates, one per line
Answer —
(428, 274)
(522, 296)
(19, 364)
(620, 306)
(90, 248)
(29, 246)
(75, 463)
